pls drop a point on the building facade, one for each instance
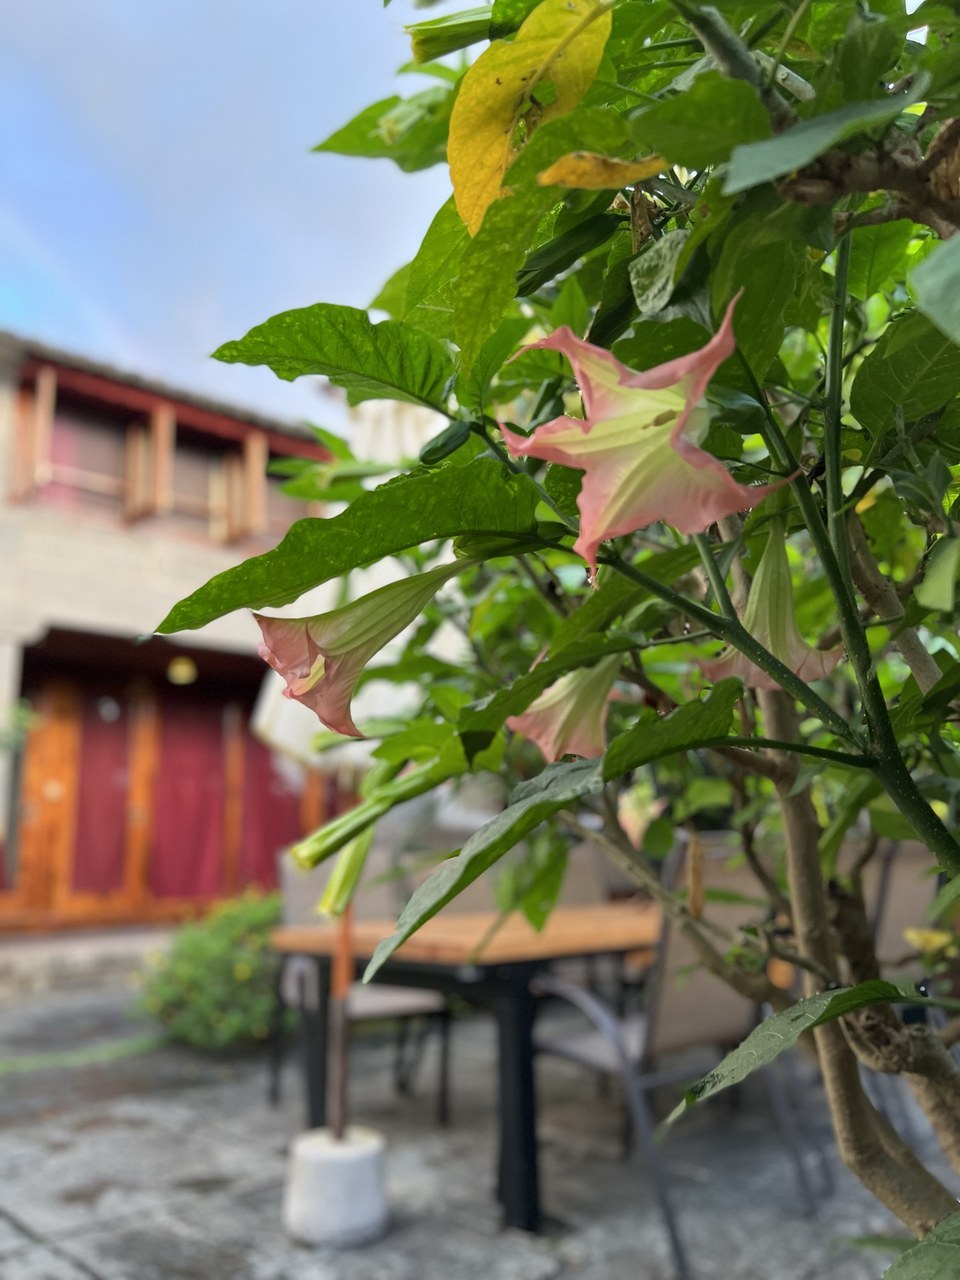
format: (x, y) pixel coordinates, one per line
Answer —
(131, 788)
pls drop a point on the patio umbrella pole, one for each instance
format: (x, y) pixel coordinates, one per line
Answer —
(341, 980)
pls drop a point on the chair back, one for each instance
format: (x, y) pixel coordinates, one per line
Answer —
(687, 1004)
(584, 884)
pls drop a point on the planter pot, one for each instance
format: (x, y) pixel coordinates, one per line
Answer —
(335, 1190)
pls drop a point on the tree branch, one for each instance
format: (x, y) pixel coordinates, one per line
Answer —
(868, 1145)
(754, 986)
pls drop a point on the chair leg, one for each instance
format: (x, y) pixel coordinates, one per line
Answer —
(821, 1155)
(443, 1087)
(786, 1121)
(643, 1128)
(401, 1072)
(275, 1039)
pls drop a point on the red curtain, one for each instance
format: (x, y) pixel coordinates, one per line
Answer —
(100, 835)
(189, 798)
(271, 814)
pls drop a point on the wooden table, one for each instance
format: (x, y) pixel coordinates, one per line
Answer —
(460, 953)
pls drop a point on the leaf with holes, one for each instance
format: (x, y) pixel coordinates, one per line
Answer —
(592, 172)
(767, 1041)
(554, 56)
(695, 724)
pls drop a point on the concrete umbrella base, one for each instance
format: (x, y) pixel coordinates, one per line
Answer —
(335, 1190)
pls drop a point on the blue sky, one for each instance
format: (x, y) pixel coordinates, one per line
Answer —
(158, 192)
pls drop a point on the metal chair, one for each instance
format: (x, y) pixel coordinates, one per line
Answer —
(415, 1010)
(699, 1012)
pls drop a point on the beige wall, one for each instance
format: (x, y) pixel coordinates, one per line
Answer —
(62, 568)
(59, 568)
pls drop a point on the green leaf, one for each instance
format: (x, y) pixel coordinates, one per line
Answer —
(471, 388)
(946, 899)
(769, 273)
(531, 804)
(439, 36)
(487, 280)
(562, 251)
(655, 342)
(563, 484)
(936, 287)
(507, 15)
(912, 370)
(533, 884)
(338, 447)
(482, 497)
(616, 307)
(781, 1031)
(758, 162)
(935, 1257)
(386, 361)
(694, 724)
(487, 284)
(875, 254)
(870, 48)
(939, 586)
(412, 132)
(615, 595)
(652, 273)
(858, 793)
(437, 261)
(700, 127)
(446, 442)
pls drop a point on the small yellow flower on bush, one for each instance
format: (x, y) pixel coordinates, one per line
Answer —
(215, 988)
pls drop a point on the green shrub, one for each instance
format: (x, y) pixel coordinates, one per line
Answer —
(215, 987)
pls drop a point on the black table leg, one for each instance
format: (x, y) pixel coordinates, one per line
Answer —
(518, 1183)
(313, 1041)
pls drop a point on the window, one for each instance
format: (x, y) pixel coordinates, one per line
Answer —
(113, 449)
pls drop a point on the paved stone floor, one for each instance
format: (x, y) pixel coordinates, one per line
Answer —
(166, 1165)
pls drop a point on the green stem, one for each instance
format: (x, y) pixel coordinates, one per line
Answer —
(832, 419)
(733, 631)
(801, 748)
(720, 592)
(889, 767)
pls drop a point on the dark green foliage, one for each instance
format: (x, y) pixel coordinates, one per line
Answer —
(215, 988)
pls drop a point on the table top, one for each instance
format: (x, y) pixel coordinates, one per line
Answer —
(458, 938)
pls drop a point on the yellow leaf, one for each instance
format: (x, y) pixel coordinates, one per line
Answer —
(592, 172)
(516, 85)
(928, 939)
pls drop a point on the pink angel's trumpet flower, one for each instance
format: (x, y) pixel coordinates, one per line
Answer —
(569, 717)
(321, 658)
(769, 617)
(637, 808)
(638, 445)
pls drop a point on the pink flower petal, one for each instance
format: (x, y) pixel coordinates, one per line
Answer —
(637, 446)
(569, 717)
(770, 618)
(321, 658)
